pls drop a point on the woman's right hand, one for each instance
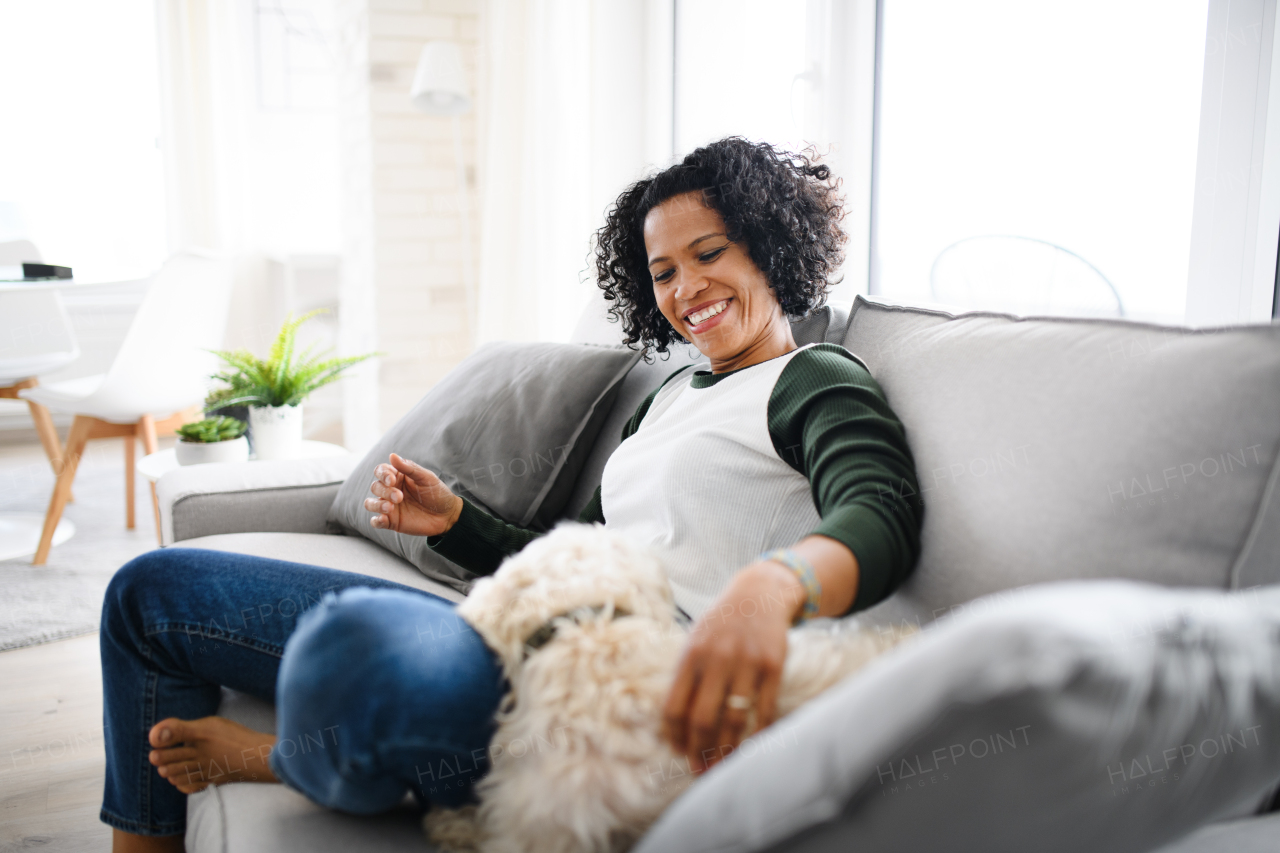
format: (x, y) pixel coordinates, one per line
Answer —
(410, 499)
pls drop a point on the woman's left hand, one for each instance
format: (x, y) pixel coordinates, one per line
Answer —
(737, 648)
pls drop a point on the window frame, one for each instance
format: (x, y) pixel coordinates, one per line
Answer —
(1235, 231)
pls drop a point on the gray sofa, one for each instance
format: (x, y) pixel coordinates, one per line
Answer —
(1099, 589)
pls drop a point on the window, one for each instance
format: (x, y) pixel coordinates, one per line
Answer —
(1032, 157)
(81, 173)
(736, 65)
(1039, 156)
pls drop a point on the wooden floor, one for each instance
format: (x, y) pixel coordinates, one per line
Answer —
(51, 757)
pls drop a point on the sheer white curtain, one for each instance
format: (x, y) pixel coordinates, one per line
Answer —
(573, 94)
(203, 67)
(535, 212)
(189, 46)
(246, 175)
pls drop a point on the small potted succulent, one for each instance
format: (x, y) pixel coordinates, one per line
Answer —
(214, 407)
(212, 440)
(275, 387)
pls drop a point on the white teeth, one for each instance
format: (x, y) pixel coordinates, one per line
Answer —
(707, 313)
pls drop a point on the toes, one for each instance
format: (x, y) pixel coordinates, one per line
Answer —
(183, 773)
(186, 770)
(160, 757)
(170, 732)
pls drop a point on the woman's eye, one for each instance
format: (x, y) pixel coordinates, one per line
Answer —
(663, 276)
(708, 257)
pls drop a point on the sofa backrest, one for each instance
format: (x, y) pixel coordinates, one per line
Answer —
(1057, 448)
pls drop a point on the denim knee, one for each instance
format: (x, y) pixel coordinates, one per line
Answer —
(345, 646)
(134, 578)
(375, 685)
(340, 628)
(328, 681)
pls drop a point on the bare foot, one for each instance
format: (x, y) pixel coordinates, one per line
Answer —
(194, 754)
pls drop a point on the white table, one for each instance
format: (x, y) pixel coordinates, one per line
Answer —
(155, 465)
(20, 531)
(7, 285)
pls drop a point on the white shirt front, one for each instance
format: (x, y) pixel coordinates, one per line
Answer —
(702, 485)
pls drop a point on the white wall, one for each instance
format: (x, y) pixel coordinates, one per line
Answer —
(403, 288)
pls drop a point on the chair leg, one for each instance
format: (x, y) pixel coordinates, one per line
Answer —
(48, 437)
(147, 432)
(80, 428)
(130, 446)
(155, 508)
(147, 429)
(48, 434)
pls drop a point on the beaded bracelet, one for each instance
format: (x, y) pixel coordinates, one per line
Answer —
(804, 571)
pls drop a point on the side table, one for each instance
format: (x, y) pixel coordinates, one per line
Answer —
(155, 465)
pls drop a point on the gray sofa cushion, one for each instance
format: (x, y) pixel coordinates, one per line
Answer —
(346, 553)
(281, 495)
(509, 429)
(1099, 716)
(1056, 448)
(250, 818)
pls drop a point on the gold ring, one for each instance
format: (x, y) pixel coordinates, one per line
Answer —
(739, 702)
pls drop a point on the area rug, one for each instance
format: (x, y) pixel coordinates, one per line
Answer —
(63, 598)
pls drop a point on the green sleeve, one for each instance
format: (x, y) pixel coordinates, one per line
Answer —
(479, 542)
(829, 420)
(593, 512)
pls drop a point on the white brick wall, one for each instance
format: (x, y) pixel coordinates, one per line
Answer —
(404, 230)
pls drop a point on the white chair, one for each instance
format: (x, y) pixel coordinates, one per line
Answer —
(157, 381)
(35, 337)
(1021, 275)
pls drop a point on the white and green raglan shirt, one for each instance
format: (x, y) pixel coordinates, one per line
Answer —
(715, 469)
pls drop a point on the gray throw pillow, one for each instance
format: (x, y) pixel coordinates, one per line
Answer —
(1105, 716)
(508, 429)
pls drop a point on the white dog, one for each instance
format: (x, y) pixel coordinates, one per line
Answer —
(584, 625)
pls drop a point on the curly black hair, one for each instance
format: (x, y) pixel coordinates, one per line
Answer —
(783, 207)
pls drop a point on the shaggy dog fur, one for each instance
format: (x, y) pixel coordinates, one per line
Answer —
(577, 764)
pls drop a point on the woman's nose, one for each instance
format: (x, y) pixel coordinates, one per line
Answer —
(690, 285)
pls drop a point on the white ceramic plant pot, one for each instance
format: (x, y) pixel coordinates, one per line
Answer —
(277, 431)
(200, 452)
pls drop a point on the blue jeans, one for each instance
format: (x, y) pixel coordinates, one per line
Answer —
(380, 689)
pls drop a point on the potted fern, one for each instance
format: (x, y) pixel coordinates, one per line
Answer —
(212, 440)
(275, 387)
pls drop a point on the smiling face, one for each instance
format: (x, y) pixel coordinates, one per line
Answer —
(709, 289)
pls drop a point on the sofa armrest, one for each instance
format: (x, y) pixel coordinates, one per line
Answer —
(288, 496)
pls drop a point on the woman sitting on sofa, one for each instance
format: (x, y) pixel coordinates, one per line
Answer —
(381, 689)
